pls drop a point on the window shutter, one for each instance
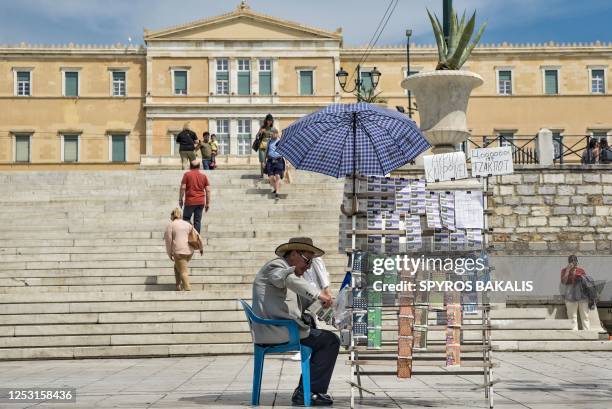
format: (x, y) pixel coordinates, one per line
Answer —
(550, 82)
(244, 83)
(180, 82)
(72, 84)
(22, 148)
(306, 83)
(265, 83)
(71, 148)
(118, 148)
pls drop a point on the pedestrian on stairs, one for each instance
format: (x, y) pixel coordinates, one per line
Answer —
(275, 164)
(263, 137)
(195, 188)
(206, 151)
(178, 248)
(188, 140)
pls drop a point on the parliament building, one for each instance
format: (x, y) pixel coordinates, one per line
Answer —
(89, 106)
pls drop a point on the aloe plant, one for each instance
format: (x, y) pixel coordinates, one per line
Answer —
(452, 55)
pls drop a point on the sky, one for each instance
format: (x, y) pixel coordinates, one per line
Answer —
(114, 21)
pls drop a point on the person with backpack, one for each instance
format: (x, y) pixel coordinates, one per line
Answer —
(188, 140)
(275, 164)
(260, 145)
(181, 240)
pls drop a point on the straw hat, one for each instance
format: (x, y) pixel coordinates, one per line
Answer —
(299, 243)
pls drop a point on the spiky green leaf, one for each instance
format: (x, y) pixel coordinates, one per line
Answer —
(466, 35)
(439, 36)
(469, 50)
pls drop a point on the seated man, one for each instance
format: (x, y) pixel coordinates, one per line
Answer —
(280, 292)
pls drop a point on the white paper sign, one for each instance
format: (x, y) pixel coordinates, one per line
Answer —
(492, 161)
(445, 166)
(469, 210)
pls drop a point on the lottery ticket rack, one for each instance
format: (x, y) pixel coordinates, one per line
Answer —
(424, 333)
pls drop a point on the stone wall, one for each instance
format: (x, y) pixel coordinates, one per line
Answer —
(553, 210)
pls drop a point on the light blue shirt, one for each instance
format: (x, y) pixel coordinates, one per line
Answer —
(272, 149)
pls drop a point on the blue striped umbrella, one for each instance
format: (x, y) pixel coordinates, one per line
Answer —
(348, 139)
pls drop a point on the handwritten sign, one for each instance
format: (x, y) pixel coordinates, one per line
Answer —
(445, 166)
(492, 161)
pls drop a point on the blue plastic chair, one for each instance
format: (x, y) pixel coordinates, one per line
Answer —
(292, 346)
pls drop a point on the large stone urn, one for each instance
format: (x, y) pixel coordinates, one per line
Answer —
(442, 100)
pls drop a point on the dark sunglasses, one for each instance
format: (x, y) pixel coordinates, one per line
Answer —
(307, 260)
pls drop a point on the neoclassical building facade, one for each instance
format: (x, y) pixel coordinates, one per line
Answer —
(105, 106)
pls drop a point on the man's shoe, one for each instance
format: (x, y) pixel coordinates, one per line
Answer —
(317, 399)
(322, 399)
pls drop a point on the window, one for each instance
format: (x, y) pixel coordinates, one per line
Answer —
(306, 82)
(222, 77)
(504, 82)
(599, 135)
(223, 137)
(70, 148)
(244, 137)
(23, 83)
(598, 81)
(71, 83)
(366, 81)
(506, 138)
(180, 82)
(551, 82)
(118, 148)
(265, 77)
(244, 77)
(118, 83)
(22, 148)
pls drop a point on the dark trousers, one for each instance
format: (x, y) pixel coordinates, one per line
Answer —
(325, 347)
(196, 211)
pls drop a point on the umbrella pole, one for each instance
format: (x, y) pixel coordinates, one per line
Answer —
(354, 202)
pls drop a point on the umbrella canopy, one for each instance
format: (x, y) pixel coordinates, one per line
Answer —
(347, 139)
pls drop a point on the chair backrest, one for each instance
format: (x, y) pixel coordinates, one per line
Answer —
(250, 315)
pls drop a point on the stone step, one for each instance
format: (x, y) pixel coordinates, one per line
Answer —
(124, 317)
(149, 339)
(119, 351)
(131, 306)
(243, 336)
(336, 266)
(553, 345)
(127, 328)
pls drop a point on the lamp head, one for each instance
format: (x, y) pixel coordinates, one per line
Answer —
(342, 77)
(375, 74)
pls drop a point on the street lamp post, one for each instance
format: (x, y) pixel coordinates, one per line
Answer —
(408, 34)
(343, 77)
(447, 8)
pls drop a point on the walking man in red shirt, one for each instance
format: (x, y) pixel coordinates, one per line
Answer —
(196, 191)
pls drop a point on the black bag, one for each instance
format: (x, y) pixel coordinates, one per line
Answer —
(256, 143)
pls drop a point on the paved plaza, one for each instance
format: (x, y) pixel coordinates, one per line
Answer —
(525, 380)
